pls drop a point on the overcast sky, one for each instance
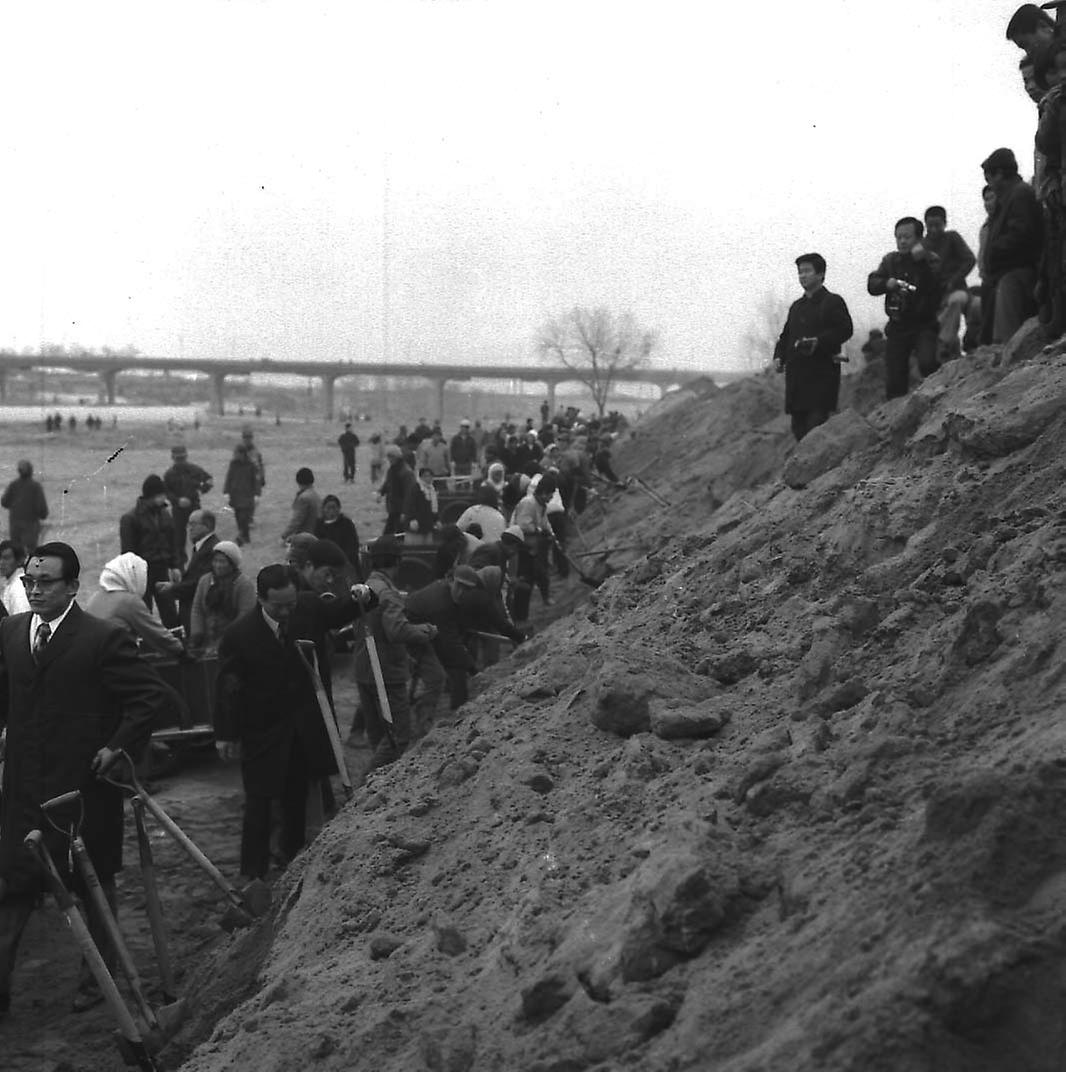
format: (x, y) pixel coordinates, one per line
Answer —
(220, 178)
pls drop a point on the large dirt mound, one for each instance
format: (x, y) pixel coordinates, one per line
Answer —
(788, 792)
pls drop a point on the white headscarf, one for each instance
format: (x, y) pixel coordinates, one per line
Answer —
(127, 573)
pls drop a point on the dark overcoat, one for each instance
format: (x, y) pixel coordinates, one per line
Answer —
(265, 698)
(88, 689)
(812, 381)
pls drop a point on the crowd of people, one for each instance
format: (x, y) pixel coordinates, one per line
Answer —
(1020, 261)
(487, 511)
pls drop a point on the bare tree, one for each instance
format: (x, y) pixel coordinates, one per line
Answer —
(596, 345)
(761, 335)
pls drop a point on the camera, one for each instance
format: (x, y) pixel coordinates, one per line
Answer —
(905, 287)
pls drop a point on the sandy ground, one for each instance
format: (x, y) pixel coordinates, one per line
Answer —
(90, 478)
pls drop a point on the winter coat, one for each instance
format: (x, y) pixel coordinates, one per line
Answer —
(130, 611)
(242, 483)
(392, 632)
(1015, 232)
(183, 480)
(87, 689)
(343, 533)
(265, 698)
(148, 530)
(306, 510)
(812, 381)
(907, 311)
(214, 610)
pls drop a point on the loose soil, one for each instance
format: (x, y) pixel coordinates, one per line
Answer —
(786, 792)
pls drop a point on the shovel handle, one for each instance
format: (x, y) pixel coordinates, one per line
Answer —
(61, 800)
(308, 655)
(118, 943)
(35, 843)
(152, 902)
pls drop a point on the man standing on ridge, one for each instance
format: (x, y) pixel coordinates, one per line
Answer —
(912, 297)
(808, 351)
(954, 260)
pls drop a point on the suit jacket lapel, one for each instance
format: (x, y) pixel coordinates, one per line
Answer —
(62, 639)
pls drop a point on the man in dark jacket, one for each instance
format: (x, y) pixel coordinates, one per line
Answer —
(25, 503)
(185, 483)
(266, 710)
(395, 488)
(808, 351)
(203, 537)
(242, 490)
(348, 441)
(463, 450)
(391, 632)
(912, 297)
(953, 261)
(339, 528)
(73, 691)
(148, 530)
(306, 506)
(1013, 247)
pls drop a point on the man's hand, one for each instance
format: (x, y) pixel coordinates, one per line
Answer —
(891, 284)
(103, 761)
(174, 575)
(184, 502)
(360, 592)
(228, 750)
(162, 587)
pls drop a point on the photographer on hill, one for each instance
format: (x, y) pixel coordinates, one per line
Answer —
(808, 351)
(912, 290)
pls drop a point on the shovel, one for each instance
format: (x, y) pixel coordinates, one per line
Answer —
(130, 1042)
(309, 656)
(592, 582)
(157, 1025)
(379, 682)
(244, 906)
(152, 903)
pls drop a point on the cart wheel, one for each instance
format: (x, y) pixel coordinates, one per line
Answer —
(453, 511)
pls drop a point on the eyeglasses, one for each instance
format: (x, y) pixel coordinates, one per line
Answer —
(44, 583)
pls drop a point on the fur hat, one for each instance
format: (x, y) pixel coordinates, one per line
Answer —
(153, 485)
(230, 550)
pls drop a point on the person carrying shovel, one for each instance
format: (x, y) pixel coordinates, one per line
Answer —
(388, 716)
(267, 710)
(73, 693)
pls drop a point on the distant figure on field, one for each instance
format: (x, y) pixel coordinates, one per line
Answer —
(348, 441)
(26, 508)
(912, 297)
(185, 483)
(808, 351)
(306, 506)
(254, 454)
(242, 490)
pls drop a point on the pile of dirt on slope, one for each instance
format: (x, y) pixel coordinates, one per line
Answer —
(788, 793)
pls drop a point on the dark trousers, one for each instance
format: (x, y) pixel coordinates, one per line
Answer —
(804, 420)
(558, 525)
(922, 342)
(392, 524)
(347, 466)
(15, 912)
(386, 746)
(988, 313)
(180, 514)
(255, 830)
(243, 517)
(168, 611)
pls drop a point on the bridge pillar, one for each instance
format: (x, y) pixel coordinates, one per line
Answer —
(551, 399)
(327, 387)
(3, 385)
(218, 392)
(439, 386)
(107, 389)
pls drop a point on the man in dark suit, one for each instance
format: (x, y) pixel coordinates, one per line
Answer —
(266, 710)
(203, 537)
(72, 693)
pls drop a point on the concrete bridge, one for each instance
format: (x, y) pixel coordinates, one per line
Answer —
(109, 367)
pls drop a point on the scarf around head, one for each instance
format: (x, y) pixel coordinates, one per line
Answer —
(127, 573)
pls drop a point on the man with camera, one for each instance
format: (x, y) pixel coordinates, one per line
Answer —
(808, 351)
(912, 290)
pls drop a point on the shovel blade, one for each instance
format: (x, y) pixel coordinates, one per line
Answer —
(171, 1017)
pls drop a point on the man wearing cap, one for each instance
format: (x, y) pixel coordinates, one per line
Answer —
(73, 691)
(306, 506)
(184, 483)
(266, 710)
(1013, 247)
(148, 530)
(395, 488)
(392, 634)
(463, 450)
(24, 501)
(348, 441)
(1031, 29)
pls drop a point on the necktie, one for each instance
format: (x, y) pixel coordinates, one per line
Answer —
(282, 632)
(40, 640)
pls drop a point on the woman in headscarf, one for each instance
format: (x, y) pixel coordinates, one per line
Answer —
(222, 596)
(121, 596)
